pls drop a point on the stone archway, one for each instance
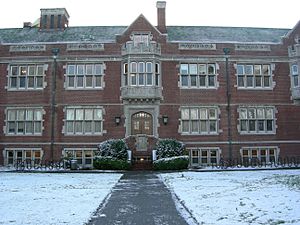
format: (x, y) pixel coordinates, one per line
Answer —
(142, 123)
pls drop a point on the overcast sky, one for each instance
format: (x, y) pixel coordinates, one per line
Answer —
(236, 13)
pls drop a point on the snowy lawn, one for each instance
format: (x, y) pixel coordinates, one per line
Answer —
(243, 197)
(44, 198)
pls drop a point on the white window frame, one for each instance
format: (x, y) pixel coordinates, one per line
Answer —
(81, 161)
(133, 73)
(199, 157)
(27, 78)
(259, 150)
(198, 75)
(295, 75)
(257, 120)
(23, 157)
(198, 119)
(242, 67)
(37, 130)
(80, 72)
(71, 122)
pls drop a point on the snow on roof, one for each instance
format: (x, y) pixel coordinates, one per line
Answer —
(107, 34)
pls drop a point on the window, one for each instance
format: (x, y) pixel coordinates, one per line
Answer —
(85, 120)
(88, 76)
(258, 120)
(27, 155)
(59, 21)
(204, 156)
(195, 75)
(139, 39)
(254, 76)
(51, 21)
(141, 74)
(26, 77)
(259, 154)
(295, 75)
(84, 156)
(24, 121)
(199, 120)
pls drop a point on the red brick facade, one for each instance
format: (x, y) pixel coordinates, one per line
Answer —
(279, 55)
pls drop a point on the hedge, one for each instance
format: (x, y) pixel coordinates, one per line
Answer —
(172, 163)
(108, 163)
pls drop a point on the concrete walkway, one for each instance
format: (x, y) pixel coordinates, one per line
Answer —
(139, 199)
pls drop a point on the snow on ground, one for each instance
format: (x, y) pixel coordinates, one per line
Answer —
(52, 199)
(240, 197)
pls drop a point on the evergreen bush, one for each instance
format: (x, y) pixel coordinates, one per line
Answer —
(172, 163)
(108, 163)
(166, 148)
(114, 148)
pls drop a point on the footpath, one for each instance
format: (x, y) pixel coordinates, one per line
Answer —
(139, 198)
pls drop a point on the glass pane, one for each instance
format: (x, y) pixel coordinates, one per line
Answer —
(202, 69)
(149, 67)
(20, 127)
(14, 70)
(261, 125)
(249, 81)
(40, 70)
(240, 69)
(29, 127)
(184, 69)
(258, 81)
(269, 113)
(266, 70)
(71, 81)
(133, 67)
(88, 114)
(11, 115)
(193, 81)
(21, 115)
(202, 81)
(257, 69)
(269, 125)
(79, 81)
(251, 113)
(79, 114)
(37, 127)
(211, 81)
(22, 81)
(70, 128)
(267, 81)
(252, 125)
(98, 81)
(31, 70)
(211, 69)
(149, 79)
(11, 127)
(241, 82)
(29, 114)
(38, 114)
(249, 69)
(212, 114)
(98, 69)
(203, 114)
(243, 113)
(39, 82)
(195, 126)
(260, 113)
(97, 114)
(185, 126)
(13, 82)
(213, 126)
(193, 69)
(133, 79)
(23, 70)
(141, 67)
(89, 69)
(141, 79)
(70, 114)
(194, 114)
(203, 126)
(243, 125)
(296, 81)
(89, 81)
(80, 69)
(71, 69)
(185, 114)
(98, 126)
(184, 81)
(88, 127)
(78, 127)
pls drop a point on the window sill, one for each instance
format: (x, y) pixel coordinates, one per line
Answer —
(252, 133)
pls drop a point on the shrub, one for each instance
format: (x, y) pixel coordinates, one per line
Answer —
(114, 148)
(108, 163)
(169, 148)
(172, 163)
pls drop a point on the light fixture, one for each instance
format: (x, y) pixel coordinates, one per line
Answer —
(165, 119)
(117, 120)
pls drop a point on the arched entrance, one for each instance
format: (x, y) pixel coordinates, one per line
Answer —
(141, 123)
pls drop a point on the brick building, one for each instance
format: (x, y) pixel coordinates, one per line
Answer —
(225, 92)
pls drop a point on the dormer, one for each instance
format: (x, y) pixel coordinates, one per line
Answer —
(54, 19)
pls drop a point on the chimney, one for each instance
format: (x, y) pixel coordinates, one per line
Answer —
(54, 19)
(161, 16)
(27, 25)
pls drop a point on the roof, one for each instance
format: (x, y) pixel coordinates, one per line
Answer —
(106, 34)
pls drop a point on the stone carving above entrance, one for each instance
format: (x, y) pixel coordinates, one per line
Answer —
(141, 143)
